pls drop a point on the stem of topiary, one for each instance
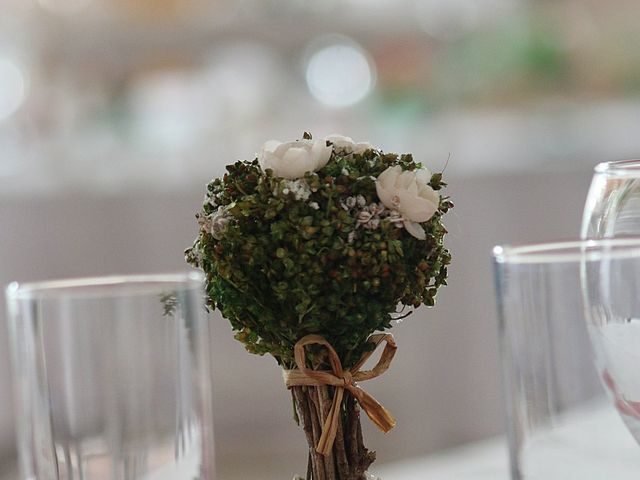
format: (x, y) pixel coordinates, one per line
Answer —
(349, 459)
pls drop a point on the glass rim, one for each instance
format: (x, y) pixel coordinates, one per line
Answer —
(108, 285)
(569, 250)
(629, 167)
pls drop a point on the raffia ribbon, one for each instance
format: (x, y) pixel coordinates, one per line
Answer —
(343, 379)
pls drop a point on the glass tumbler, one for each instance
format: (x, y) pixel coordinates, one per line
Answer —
(563, 420)
(112, 378)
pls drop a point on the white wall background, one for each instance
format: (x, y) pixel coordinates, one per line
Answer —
(444, 385)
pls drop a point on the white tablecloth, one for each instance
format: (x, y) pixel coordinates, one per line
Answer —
(590, 443)
(485, 460)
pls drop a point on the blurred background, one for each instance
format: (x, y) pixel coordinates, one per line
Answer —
(114, 114)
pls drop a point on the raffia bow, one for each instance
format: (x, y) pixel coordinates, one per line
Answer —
(343, 379)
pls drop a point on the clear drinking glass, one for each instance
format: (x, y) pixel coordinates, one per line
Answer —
(612, 208)
(112, 378)
(563, 418)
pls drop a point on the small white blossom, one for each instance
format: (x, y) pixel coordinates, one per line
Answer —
(299, 188)
(376, 208)
(351, 237)
(203, 221)
(396, 218)
(361, 201)
(292, 160)
(314, 205)
(409, 193)
(364, 217)
(350, 202)
(345, 172)
(210, 198)
(368, 216)
(193, 255)
(372, 224)
(216, 223)
(346, 145)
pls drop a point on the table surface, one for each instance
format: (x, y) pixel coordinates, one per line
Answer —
(486, 460)
(588, 444)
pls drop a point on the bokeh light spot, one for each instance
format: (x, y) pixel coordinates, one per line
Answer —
(340, 74)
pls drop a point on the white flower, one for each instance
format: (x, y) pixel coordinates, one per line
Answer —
(292, 160)
(349, 203)
(217, 222)
(299, 188)
(314, 205)
(347, 145)
(408, 193)
(193, 255)
(364, 217)
(210, 198)
(203, 221)
(376, 208)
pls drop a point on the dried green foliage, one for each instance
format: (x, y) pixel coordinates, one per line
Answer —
(281, 264)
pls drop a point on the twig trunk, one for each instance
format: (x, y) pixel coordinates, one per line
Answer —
(349, 459)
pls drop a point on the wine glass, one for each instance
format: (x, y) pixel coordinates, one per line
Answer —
(612, 207)
(112, 378)
(561, 422)
(612, 305)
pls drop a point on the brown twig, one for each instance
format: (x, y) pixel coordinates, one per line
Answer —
(349, 459)
(350, 434)
(359, 438)
(320, 399)
(303, 411)
(365, 457)
(317, 429)
(339, 453)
